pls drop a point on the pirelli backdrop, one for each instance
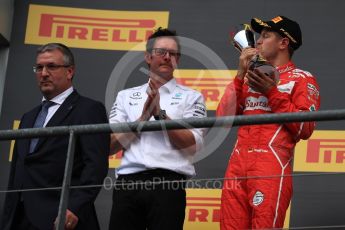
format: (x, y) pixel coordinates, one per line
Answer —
(108, 37)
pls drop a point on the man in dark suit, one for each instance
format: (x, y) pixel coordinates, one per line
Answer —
(40, 162)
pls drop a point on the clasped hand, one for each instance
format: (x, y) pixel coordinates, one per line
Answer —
(152, 105)
(259, 81)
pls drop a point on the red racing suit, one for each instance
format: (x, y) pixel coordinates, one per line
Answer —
(263, 153)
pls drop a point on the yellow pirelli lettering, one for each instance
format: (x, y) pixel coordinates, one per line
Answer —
(211, 83)
(203, 209)
(323, 152)
(15, 126)
(115, 159)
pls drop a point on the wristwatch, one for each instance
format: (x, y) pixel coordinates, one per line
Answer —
(161, 116)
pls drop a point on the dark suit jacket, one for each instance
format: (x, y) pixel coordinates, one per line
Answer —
(45, 167)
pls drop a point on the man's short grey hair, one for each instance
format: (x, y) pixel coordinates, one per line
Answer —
(67, 53)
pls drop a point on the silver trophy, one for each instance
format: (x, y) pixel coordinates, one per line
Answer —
(245, 38)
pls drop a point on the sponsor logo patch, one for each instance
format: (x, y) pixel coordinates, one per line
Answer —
(296, 73)
(286, 88)
(313, 91)
(136, 95)
(277, 19)
(177, 96)
(132, 104)
(253, 103)
(258, 198)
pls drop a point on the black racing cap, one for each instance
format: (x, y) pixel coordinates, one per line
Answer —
(282, 25)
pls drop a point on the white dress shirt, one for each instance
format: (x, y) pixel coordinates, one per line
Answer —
(153, 149)
(58, 100)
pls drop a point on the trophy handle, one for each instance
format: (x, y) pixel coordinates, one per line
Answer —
(250, 38)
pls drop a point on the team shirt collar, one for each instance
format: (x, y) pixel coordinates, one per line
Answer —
(285, 68)
(169, 86)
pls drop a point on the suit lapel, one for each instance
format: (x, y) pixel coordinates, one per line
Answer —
(60, 115)
(66, 107)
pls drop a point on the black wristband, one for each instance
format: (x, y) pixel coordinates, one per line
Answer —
(161, 116)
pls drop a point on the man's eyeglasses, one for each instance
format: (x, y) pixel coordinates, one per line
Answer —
(162, 52)
(49, 67)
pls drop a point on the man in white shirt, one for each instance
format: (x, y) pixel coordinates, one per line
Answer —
(158, 156)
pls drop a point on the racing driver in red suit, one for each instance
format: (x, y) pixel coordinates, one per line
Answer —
(262, 157)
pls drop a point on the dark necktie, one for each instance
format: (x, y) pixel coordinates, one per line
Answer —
(41, 117)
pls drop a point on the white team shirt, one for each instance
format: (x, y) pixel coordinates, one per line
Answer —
(153, 149)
